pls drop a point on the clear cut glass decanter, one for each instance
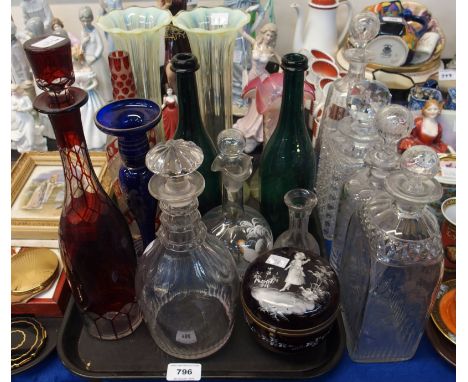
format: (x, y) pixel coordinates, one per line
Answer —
(364, 27)
(187, 283)
(300, 204)
(243, 230)
(347, 147)
(393, 123)
(392, 263)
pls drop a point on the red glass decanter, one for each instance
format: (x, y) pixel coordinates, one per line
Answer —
(95, 242)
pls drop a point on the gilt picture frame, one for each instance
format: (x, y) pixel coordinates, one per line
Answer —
(38, 190)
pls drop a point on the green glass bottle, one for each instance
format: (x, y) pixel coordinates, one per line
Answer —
(288, 160)
(191, 127)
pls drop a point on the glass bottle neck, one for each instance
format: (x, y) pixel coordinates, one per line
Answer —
(299, 222)
(407, 210)
(292, 103)
(356, 72)
(233, 202)
(189, 108)
(133, 150)
(181, 227)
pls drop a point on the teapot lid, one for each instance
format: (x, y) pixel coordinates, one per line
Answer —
(292, 290)
(325, 3)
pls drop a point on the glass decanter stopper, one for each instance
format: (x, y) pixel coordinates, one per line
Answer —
(393, 123)
(347, 147)
(393, 263)
(241, 228)
(300, 203)
(363, 28)
(187, 282)
(95, 243)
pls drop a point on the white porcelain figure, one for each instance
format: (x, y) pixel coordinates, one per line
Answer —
(37, 8)
(25, 134)
(110, 5)
(32, 28)
(106, 7)
(251, 124)
(57, 29)
(318, 30)
(242, 50)
(85, 78)
(92, 47)
(20, 69)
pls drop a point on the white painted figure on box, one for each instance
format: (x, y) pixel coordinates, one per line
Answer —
(92, 47)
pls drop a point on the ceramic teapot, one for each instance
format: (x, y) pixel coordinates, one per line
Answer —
(318, 30)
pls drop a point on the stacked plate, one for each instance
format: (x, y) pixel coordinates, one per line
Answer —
(441, 329)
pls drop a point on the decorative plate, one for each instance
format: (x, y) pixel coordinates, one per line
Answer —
(444, 312)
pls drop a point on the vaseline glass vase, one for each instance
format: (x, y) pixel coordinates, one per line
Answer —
(140, 32)
(211, 33)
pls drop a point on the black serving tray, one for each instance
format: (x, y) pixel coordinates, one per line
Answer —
(138, 357)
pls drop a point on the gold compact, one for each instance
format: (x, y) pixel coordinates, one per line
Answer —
(33, 270)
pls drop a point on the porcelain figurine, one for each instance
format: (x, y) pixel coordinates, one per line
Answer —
(106, 7)
(86, 79)
(37, 8)
(32, 28)
(170, 113)
(92, 47)
(427, 130)
(319, 29)
(20, 69)
(242, 51)
(263, 51)
(25, 134)
(57, 29)
(110, 5)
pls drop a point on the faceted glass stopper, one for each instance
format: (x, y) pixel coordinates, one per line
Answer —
(365, 98)
(300, 199)
(415, 181)
(364, 27)
(174, 158)
(51, 62)
(393, 123)
(231, 142)
(420, 162)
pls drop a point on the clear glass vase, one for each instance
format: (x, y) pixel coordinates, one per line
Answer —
(140, 32)
(393, 123)
(393, 263)
(243, 230)
(345, 150)
(187, 282)
(211, 33)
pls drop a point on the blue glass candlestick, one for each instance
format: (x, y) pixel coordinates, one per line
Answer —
(129, 120)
